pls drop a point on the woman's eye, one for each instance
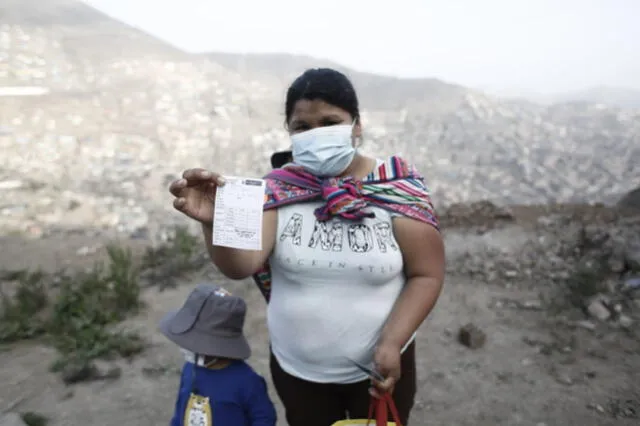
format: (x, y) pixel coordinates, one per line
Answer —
(331, 123)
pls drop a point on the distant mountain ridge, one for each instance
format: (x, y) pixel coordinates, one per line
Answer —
(125, 110)
(621, 97)
(613, 96)
(375, 91)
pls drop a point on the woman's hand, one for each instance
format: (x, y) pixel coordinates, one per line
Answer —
(195, 193)
(387, 363)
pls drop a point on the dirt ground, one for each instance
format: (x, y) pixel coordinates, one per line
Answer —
(533, 370)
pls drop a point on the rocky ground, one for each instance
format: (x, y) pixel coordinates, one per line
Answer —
(537, 325)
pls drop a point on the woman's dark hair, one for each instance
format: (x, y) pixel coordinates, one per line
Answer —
(324, 84)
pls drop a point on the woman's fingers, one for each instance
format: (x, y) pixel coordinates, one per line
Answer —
(195, 177)
(374, 392)
(387, 385)
(195, 186)
(378, 388)
(198, 176)
(195, 174)
(180, 204)
(177, 186)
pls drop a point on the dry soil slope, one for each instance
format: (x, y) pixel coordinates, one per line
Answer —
(470, 145)
(110, 84)
(475, 146)
(87, 33)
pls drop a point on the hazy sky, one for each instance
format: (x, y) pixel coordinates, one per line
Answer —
(497, 45)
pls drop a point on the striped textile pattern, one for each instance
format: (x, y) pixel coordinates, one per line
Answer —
(395, 186)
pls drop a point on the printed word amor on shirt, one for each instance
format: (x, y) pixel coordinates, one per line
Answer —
(332, 235)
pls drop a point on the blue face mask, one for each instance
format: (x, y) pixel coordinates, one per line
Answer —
(324, 151)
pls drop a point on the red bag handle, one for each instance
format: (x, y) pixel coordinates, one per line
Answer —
(379, 406)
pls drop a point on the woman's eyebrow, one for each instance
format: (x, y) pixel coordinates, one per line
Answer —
(333, 117)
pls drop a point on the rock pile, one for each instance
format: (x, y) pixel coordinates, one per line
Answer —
(592, 257)
(631, 200)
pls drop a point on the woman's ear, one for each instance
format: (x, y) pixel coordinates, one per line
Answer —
(357, 129)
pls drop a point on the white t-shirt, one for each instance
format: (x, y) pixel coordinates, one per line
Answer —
(333, 287)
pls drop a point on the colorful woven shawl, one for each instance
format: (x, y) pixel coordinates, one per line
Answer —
(394, 186)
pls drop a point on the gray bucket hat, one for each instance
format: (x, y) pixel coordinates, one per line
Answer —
(209, 323)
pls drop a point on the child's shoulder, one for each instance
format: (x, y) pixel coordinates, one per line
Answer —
(248, 378)
(247, 370)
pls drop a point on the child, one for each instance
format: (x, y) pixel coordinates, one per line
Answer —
(217, 386)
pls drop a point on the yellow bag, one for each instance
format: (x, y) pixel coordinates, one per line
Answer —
(379, 407)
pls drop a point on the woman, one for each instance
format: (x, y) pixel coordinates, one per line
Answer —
(355, 258)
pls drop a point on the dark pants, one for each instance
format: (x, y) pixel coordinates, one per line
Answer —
(322, 404)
